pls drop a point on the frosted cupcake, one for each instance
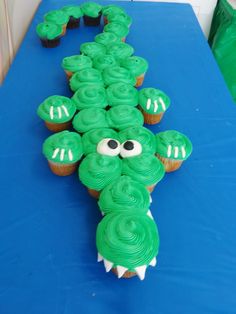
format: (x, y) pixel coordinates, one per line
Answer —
(75, 63)
(137, 66)
(122, 18)
(111, 8)
(172, 148)
(49, 34)
(75, 13)
(119, 29)
(88, 119)
(92, 49)
(87, 76)
(120, 51)
(122, 94)
(103, 61)
(117, 74)
(106, 38)
(58, 17)
(92, 13)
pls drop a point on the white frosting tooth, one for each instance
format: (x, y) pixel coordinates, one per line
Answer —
(108, 265)
(70, 155)
(65, 110)
(51, 112)
(169, 149)
(176, 149)
(183, 152)
(150, 214)
(100, 258)
(120, 271)
(155, 106)
(162, 103)
(56, 151)
(141, 270)
(149, 101)
(150, 198)
(62, 154)
(59, 112)
(153, 262)
(102, 213)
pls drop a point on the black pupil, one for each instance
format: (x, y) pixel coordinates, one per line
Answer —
(129, 145)
(112, 144)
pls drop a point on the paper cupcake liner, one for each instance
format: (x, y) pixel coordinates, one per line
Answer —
(64, 29)
(127, 274)
(139, 80)
(58, 127)
(170, 164)
(105, 20)
(69, 74)
(94, 193)
(151, 118)
(62, 169)
(92, 21)
(151, 188)
(50, 43)
(73, 23)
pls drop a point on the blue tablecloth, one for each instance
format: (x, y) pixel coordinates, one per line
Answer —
(48, 223)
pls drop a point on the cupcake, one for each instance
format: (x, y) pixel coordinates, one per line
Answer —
(120, 51)
(103, 61)
(75, 13)
(92, 49)
(49, 34)
(63, 151)
(122, 117)
(137, 66)
(122, 18)
(111, 8)
(88, 119)
(141, 134)
(153, 103)
(85, 77)
(90, 96)
(92, 13)
(91, 138)
(119, 29)
(75, 63)
(57, 112)
(172, 148)
(117, 74)
(97, 171)
(127, 243)
(122, 94)
(124, 195)
(106, 39)
(58, 17)
(144, 168)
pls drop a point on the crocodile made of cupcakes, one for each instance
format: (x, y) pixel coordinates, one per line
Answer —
(118, 159)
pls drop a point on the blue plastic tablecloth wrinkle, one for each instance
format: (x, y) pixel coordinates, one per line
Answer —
(48, 224)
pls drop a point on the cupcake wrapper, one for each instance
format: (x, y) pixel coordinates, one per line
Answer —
(123, 39)
(139, 80)
(58, 127)
(73, 23)
(151, 188)
(94, 193)
(151, 118)
(50, 43)
(69, 74)
(105, 20)
(170, 164)
(127, 274)
(64, 29)
(92, 21)
(62, 169)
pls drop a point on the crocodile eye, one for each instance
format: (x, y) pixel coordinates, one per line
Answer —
(130, 148)
(109, 147)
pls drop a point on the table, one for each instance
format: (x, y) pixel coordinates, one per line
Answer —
(47, 226)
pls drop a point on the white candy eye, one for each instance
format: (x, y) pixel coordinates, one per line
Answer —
(130, 148)
(109, 147)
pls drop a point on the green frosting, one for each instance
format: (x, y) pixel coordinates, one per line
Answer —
(174, 145)
(73, 10)
(126, 195)
(122, 94)
(76, 63)
(57, 109)
(122, 18)
(57, 16)
(116, 74)
(122, 117)
(106, 38)
(120, 50)
(136, 65)
(90, 96)
(153, 101)
(142, 135)
(127, 239)
(92, 138)
(92, 49)
(103, 61)
(48, 30)
(88, 119)
(88, 76)
(91, 9)
(97, 171)
(112, 8)
(119, 29)
(64, 147)
(145, 168)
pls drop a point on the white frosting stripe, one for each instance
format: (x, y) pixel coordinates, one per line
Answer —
(176, 149)
(51, 112)
(162, 103)
(155, 106)
(183, 152)
(70, 155)
(169, 149)
(141, 270)
(149, 101)
(56, 151)
(59, 112)
(62, 154)
(65, 110)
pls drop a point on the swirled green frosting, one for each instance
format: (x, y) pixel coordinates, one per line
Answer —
(153, 101)
(64, 147)
(122, 94)
(116, 74)
(91, 9)
(122, 117)
(90, 96)
(48, 30)
(76, 63)
(173, 144)
(88, 76)
(97, 171)
(88, 119)
(119, 29)
(112, 8)
(102, 62)
(142, 135)
(92, 49)
(57, 109)
(122, 17)
(106, 38)
(125, 195)
(136, 65)
(57, 16)
(120, 50)
(73, 10)
(145, 168)
(92, 138)
(127, 239)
